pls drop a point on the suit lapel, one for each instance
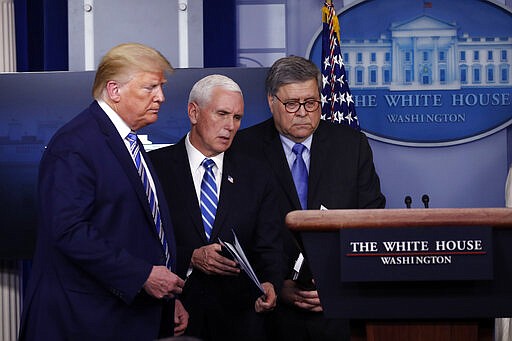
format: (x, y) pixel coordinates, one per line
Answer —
(122, 154)
(187, 190)
(274, 152)
(319, 160)
(226, 195)
(164, 212)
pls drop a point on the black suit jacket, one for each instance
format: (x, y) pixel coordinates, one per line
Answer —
(96, 242)
(341, 172)
(247, 204)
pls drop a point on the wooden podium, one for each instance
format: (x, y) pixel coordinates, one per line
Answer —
(409, 311)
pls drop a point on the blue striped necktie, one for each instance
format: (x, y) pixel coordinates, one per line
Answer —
(136, 155)
(300, 175)
(208, 197)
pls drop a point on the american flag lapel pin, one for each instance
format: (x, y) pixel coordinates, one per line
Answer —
(230, 178)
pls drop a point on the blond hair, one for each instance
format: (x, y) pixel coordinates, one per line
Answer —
(123, 61)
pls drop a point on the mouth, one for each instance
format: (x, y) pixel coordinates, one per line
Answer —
(302, 125)
(225, 139)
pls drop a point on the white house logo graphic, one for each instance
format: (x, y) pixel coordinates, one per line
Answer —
(429, 76)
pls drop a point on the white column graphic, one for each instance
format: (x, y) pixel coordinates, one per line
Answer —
(7, 37)
(183, 33)
(89, 34)
(10, 301)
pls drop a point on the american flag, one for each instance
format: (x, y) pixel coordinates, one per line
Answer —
(337, 101)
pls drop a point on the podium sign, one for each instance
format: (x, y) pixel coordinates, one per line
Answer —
(430, 298)
(416, 254)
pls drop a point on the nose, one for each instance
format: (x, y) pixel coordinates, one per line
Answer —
(302, 111)
(159, 96)
(230, 123)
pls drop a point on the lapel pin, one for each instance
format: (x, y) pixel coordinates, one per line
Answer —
(230, 178)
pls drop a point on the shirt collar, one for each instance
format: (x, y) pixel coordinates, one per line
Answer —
(121, 126)
(289, 143)
(195, 157)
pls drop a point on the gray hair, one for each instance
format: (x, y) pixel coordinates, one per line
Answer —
(202, 89)
(288, 70)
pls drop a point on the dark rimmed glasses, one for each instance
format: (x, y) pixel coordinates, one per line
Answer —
(293, 106)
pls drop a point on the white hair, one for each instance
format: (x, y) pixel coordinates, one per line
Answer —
(202, 89)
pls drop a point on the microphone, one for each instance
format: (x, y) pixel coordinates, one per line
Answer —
(425, 200)
(408, 201)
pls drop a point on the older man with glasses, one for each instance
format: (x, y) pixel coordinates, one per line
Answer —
(318, 165)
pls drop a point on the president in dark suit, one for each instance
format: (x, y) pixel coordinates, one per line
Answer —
(103, 263)
(221, 192)
(337, 172)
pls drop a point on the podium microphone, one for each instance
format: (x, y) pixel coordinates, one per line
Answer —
(425, 200)
(408, 201)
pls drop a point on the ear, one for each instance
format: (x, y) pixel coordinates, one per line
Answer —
(113, 91)
(193, 112)
(270, 100)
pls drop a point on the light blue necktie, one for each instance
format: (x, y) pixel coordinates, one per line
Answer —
(208, 197)
(134, 149)
(300, 175)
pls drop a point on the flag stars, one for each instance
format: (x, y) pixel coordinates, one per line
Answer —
(323, 99)
(342, 98)
(326, 63)
(338, 104)
(337, 60)
(349, 117)
(334, 42)
(325, 80)
(336, 116)
(349, 98)
(341, 80)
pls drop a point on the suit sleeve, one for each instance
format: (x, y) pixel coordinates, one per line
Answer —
(369, 192)
(268, 241)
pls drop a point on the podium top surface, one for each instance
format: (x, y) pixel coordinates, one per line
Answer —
(330, 220)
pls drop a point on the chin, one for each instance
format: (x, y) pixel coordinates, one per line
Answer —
(223, 147)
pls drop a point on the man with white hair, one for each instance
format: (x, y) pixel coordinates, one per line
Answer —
(221, 192)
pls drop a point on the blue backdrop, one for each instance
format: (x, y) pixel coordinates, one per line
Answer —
(35, 105)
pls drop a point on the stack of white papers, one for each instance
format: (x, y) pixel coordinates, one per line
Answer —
(239, 256)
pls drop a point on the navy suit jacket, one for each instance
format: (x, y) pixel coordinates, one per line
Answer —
(96, 241)
(247, 204)
(341, 171)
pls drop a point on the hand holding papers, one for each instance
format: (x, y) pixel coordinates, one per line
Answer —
(238, 255)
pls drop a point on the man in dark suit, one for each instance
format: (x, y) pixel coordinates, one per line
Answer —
(340, 174)
(222, 301)
(103, 262)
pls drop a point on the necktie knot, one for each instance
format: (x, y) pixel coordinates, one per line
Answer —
(132, 137)
(298, 148)
(208, 163)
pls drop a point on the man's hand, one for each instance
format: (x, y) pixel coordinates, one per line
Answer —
(292, 294)
(163, 283)
(209, 260)
(180, 318)
(267, 301)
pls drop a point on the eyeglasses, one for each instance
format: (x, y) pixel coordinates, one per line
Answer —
(293, 106)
